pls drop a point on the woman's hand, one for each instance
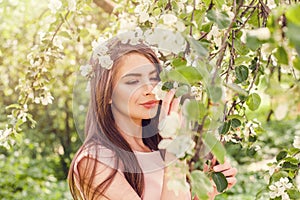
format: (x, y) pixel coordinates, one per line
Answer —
(228, 171)
(169, 104)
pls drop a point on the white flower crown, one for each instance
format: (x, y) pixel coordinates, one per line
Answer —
(165, 41)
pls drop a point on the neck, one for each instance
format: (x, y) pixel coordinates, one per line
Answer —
(131, 130)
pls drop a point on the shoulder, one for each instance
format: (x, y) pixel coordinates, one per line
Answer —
(96, 152)
(96, 173)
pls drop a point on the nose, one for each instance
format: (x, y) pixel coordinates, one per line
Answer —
(148, 87)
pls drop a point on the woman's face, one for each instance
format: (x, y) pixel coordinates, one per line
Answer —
(133, 82)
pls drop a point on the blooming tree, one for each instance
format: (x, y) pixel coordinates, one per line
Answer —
(231, 59)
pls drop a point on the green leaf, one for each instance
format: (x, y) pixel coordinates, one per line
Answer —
(238, 117)
(281, 56)
(292, 160)
(15, 105)
(198, 47)
(215, 146)
(235, 123)
(293, 33)
(167, 85)
(293, 194)
(290, 166)
(241, 73)
(182, 90)
(177, 62)
(252, 42)
(220, 181)
(251, 152)
(194, 110)
(215, 93)
(225, 127)
(253, 101)
(185, 74)
(242, 59)
(206, 27)
(200, 184)
(296, 63)
(220, 18)
(220, 3)
(252, 138)
(281, 155)
(237, 89)
(292, 14)
(277, 175)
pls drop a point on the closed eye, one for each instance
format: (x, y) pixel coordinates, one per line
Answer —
(132, 82)
(154, 79)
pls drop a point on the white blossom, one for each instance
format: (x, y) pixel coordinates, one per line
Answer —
(296, 142)
(143, 17)
(275, 191)
(169, 125)
(297, 180)
(42, 35)
(216, 35)
(127, 22)
(72, 5)
(180, 26)
(158, 92)
(285, 183)
(177, 185)
(228, 11)
(271, 4)
(54, 5)
(126, 37)
(196, 91)
(47, 99)
(105, 61)
(272, 169)
(139, 8)
(58, 42)
(244, 36)
(285, 196)
(5, 133)
(37, 100)
(179, 146)
(278, 188)
(97, 43)
(189, 9)
(101, 50)
(260, 33)
(152, 19)
(169, 19)
(167, 41)
(85, 70)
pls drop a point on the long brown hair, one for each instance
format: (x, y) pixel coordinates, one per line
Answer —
(100, 127)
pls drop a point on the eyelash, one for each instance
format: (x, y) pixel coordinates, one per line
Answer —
(136, 81)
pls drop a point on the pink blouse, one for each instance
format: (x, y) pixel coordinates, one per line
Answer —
(151, 164)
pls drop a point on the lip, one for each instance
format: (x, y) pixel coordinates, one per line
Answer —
(150, 104)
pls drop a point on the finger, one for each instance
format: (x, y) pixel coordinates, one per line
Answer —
(213, 161)
(205, 168)
(230, 172)
(175, 104)
(222, 167)
(166, 104)
(231, 181)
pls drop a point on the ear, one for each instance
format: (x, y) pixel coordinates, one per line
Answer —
(110, 101)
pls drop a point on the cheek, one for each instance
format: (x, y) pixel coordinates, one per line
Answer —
(124, 95)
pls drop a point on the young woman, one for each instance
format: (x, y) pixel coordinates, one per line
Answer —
(119, 158)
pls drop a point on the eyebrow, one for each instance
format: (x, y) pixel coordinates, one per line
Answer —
(138, 74)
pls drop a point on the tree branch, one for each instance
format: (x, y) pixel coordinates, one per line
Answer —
(107, 5)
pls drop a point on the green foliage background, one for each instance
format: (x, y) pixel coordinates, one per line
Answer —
(34, 158)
